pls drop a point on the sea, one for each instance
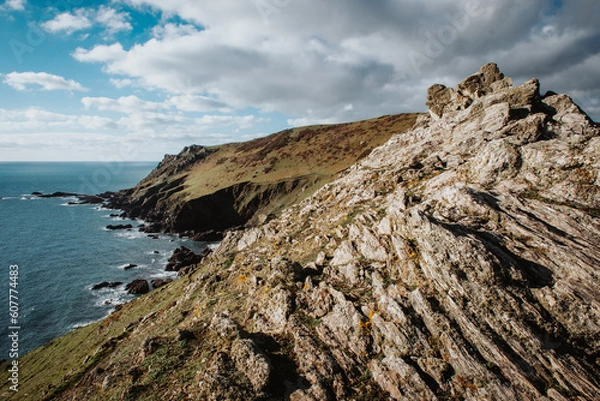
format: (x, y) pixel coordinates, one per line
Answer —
(53, 253)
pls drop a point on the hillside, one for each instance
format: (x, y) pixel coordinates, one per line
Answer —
(457, 261)
(206, 190)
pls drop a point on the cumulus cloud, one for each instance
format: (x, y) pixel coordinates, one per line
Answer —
(32, 80)
(310, 59)
(69, 22)
(113, 20)
(17, 5)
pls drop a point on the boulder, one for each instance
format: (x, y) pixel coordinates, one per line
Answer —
(138, 287)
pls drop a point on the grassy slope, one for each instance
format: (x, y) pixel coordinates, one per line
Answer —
(316, 153)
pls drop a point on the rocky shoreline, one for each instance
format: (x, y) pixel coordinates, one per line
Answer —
(181, 261)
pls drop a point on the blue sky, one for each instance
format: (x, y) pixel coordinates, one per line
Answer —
(135, 79)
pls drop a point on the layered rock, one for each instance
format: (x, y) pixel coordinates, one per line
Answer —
(458, 261)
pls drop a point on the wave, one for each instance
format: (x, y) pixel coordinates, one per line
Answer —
(82, 324)
(68, 204)
(137, 266)
(130, 234)
(111, 296)
(163, 274)
(213, 245)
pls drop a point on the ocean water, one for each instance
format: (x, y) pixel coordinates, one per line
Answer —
(62, 251)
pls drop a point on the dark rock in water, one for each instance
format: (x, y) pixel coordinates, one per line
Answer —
(56, 195)
(153, 236)
(90, 199)
(141, 227)
(119, 227)
(182, 257)
(157, 283)
(156, 252)
(129, 266)
(115, 215)
(138, 287)
(82, 199)
(106, 284)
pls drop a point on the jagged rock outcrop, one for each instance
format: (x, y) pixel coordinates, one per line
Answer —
(172, 165)
(459, 261)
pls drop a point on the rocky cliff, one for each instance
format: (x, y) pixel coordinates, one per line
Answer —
(458, 261)
(203, 192)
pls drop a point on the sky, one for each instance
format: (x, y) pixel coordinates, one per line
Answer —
(127, 80)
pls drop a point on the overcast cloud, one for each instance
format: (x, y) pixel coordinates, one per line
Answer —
(340, 60)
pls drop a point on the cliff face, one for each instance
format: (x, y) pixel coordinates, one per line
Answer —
(204, 191)
(457, 261)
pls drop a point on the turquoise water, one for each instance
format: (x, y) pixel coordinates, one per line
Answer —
(62, 250)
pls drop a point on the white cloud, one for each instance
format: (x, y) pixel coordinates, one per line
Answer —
(148, 128)
(17, 5)
(192, 103)
(112, 20)
(26, 80)
(241, 122)
(34, 118)
(68, 23)
(172, 31)
(121, 83)
(100, 53)
(126, 104)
